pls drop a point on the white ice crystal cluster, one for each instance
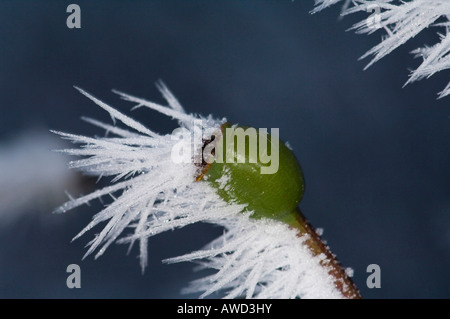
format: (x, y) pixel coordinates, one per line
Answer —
(150, 194)
(402, 21)
(261, 259)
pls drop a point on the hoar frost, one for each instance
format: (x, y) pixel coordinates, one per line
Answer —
(152, 194)
(402, 21)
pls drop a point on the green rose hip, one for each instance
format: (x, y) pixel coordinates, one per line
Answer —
(254, 168)
(251, 167)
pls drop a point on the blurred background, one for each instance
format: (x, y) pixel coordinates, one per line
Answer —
(375, 155)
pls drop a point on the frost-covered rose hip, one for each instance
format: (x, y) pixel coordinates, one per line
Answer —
(238, 175)
(157, 183)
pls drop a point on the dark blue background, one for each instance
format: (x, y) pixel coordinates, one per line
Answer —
(375, 156)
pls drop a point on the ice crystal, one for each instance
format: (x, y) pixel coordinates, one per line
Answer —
(401, 21)
(151, 193)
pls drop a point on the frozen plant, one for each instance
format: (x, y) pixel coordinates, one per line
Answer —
(401, 21)
(152, 191)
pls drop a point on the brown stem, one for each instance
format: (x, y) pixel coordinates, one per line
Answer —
(342, 281)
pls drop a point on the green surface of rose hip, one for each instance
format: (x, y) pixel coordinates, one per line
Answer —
(275, 195)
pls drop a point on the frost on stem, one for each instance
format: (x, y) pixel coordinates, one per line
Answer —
(149, 194)
(402, 21)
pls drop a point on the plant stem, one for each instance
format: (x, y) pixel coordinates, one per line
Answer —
(341, 280)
